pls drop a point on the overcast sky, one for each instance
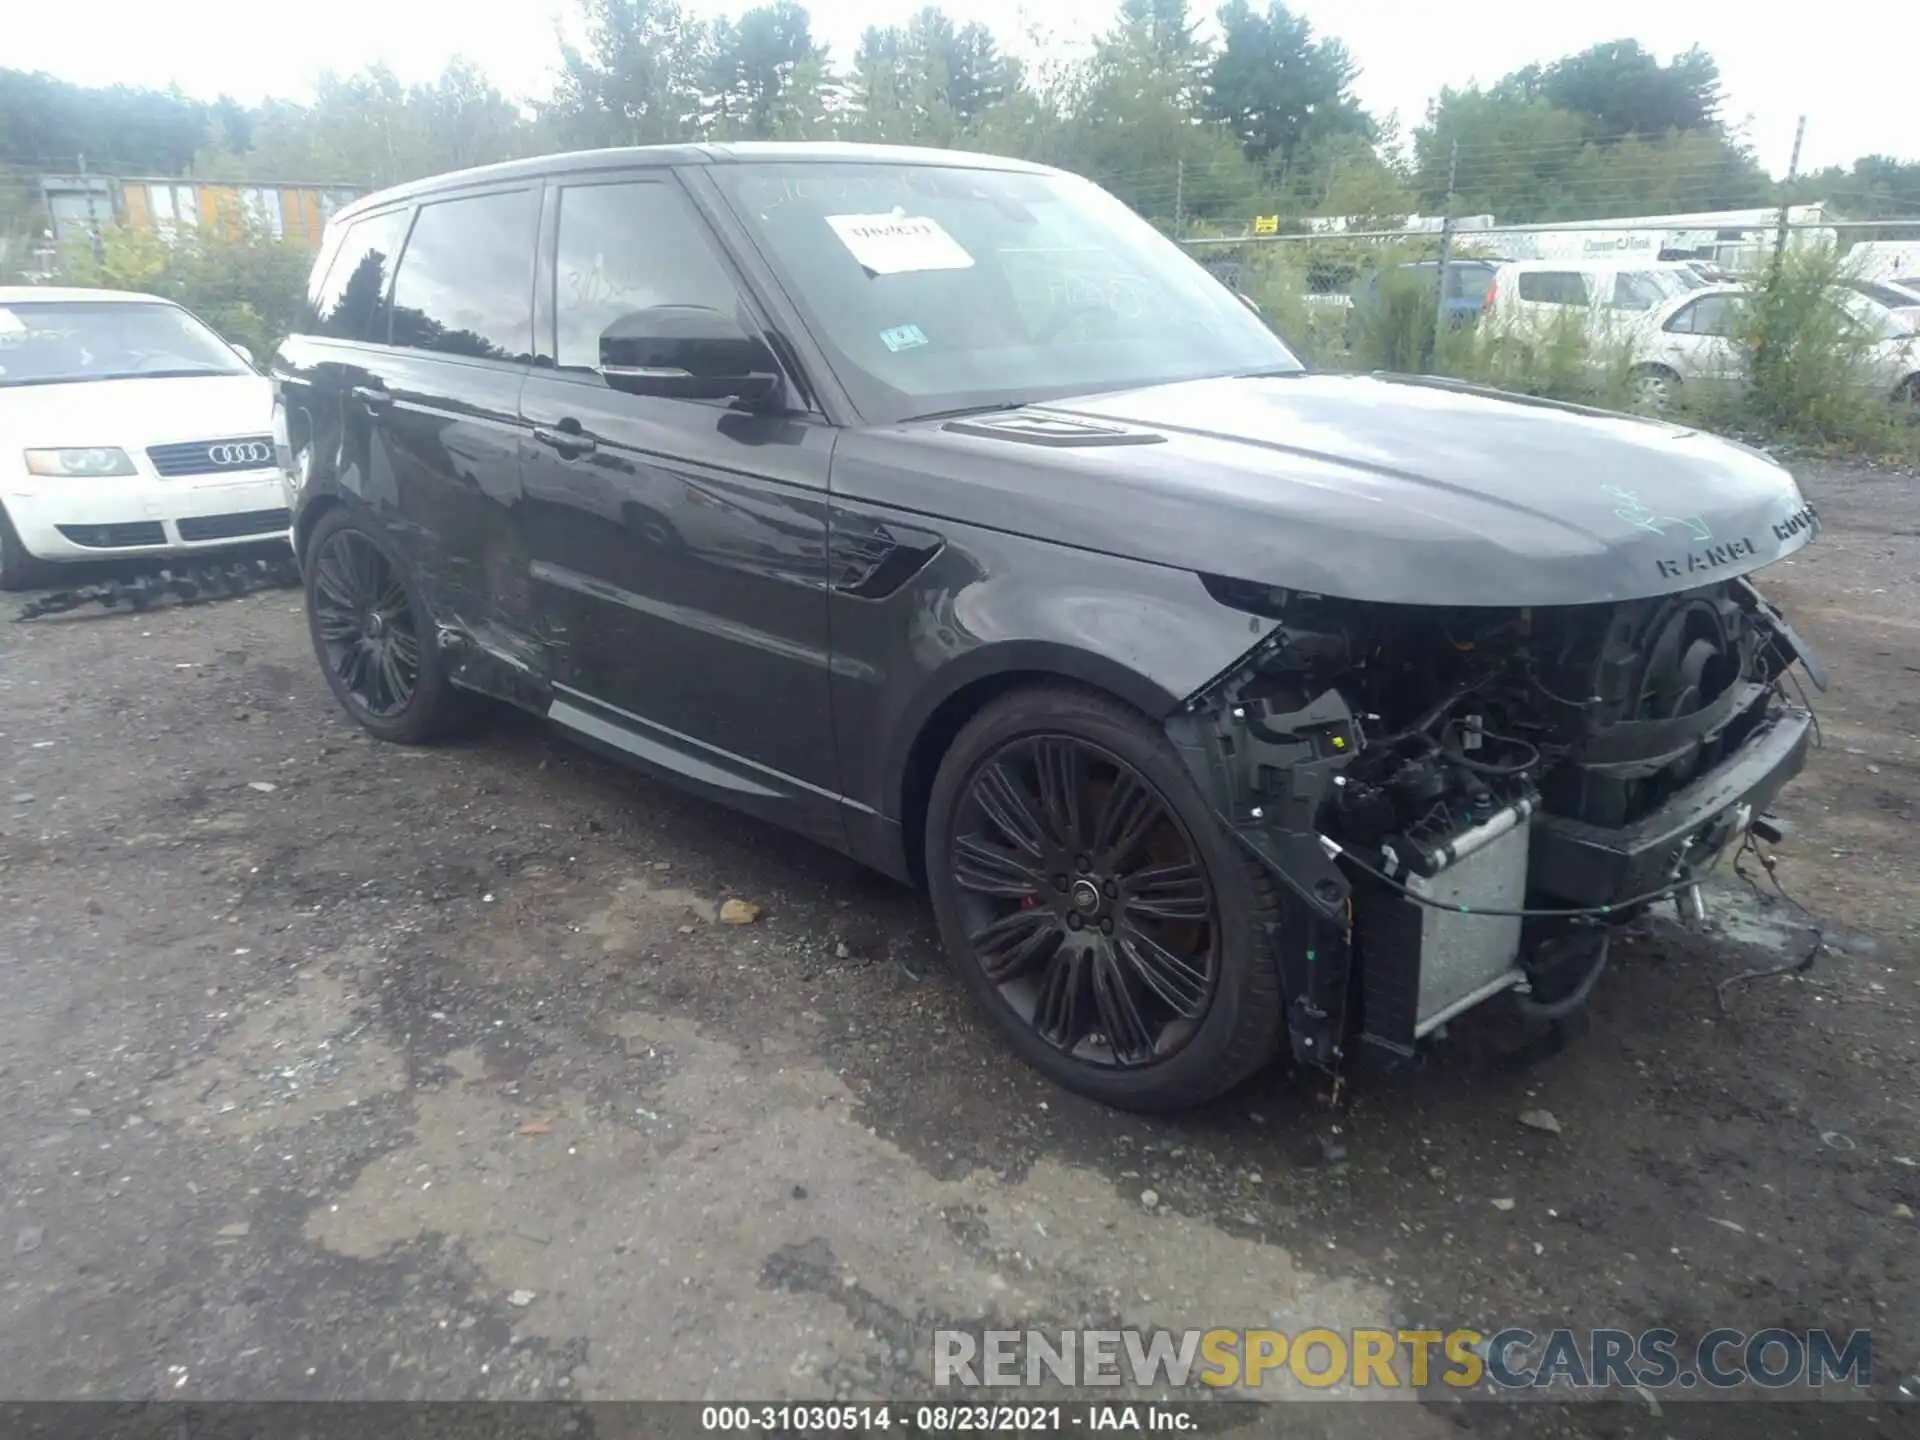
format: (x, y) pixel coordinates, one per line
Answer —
(1844, 63)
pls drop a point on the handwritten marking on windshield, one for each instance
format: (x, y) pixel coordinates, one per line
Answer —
(1638, 514)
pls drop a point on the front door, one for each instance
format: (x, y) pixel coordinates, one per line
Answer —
(678, 545)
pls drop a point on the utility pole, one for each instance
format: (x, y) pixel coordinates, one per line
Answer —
(93, 224)
(1179, 198)
(1786, 189)
(1446, 246)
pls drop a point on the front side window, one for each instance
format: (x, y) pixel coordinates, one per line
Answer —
(465, 285)
(60, 341)
(627, 247)
(349, 303)
(935, 288)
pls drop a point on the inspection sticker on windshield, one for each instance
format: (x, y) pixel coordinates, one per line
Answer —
(897, 243)
(903, 337)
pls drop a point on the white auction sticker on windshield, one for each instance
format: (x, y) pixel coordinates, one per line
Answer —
(897, 243)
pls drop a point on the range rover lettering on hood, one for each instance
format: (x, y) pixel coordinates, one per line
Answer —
(1361, 487)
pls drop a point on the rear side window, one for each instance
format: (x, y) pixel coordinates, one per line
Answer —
(1713, 315)
(1553, 287)
(348, 304)
(466, 280)
(1468, 282)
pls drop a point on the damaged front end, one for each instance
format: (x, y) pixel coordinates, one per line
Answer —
(1463, 802)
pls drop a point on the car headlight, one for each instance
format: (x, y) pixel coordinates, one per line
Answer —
(98, 460)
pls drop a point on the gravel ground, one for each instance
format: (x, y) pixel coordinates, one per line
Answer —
(336, 1070)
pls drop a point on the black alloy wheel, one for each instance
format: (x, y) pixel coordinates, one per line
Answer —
(1085, 901)
(364, 621)
(374, 636)
(1097, 910)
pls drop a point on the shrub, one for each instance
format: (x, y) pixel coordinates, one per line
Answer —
(1394, 328)
(1810, 362)
(249, 287)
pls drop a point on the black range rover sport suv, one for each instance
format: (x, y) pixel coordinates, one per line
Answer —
(935, 506)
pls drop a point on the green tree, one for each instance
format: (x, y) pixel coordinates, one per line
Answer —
(928, 82)
(369, 129)
(1621, 89)
(1277, 87)
(763, 65)
(48, 124)
(638, 80)
(1163, 33)
(1874, 187)
(1132, 129)
(1523, 157)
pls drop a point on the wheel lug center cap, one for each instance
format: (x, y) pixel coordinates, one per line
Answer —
(1085, 896)
(376, 626)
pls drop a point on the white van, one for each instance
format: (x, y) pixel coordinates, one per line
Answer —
(1529, 296)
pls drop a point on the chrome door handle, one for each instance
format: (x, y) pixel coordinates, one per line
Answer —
(567, 442)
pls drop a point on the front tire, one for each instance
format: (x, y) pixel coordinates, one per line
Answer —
(1095, 908)
(373, 636)
(1655, 388)
(18, 569)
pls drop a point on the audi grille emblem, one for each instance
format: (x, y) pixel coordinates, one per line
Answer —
(250, 453)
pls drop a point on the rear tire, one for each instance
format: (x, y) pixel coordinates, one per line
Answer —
(1119, 939)
(372, 634)
(18, 569)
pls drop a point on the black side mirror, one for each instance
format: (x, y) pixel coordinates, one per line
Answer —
(687, 352)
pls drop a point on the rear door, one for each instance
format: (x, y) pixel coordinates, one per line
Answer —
(328, 430)
(1698, 343)
(444, 407)
(1467, 285)
(678, 545)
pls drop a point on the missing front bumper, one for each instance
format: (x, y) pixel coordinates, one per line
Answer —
(1583, 864)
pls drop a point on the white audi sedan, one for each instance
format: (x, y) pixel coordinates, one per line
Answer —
(128, 429)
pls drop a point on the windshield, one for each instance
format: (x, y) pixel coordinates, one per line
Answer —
(936, 288)
(1875, 319)
(44, 342)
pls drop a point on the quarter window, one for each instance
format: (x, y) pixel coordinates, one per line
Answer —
(349, 303)
(1468, 282)
(1637, 290)
(466, 280)
(623, 248)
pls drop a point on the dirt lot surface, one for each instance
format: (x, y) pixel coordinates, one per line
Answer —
(334, 1069)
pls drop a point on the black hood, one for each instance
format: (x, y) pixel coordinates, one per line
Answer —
(1370, 488)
